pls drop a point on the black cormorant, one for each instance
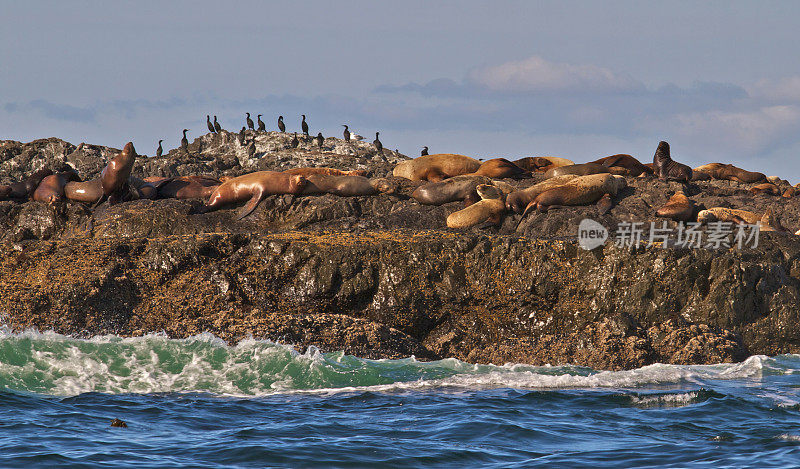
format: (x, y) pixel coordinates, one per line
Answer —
(250, 122)
(281, 125)
(377, 143)
(217, 127)
(295, 142)
(209, 124)
(320, 139)
(261, 126)
(159, 150)
(241, 136)
(346, 133)
(251, 149)
(185, 141)
(424, 151)
(304, 125)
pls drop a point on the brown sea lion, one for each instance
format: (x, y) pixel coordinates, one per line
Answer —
(731, 173)
(450, 190)
(501, 168)
(666, 168)
(436, 167)
(605, 204)
(114, 177)
(770, 223)
(490, 208)
(541, 164)
(51, 189)
(343, 186)
(87, 191)
(583, 169)
(325, 171)
(632, 166)
(765, 188)
(24, 190)
(698, 175)
(678, 208)
(5, 192)
(583, 190)
(187, 187)
(254, 186)
(519, 200)
(789, 192)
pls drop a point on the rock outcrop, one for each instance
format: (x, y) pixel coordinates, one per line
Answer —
(382, 276)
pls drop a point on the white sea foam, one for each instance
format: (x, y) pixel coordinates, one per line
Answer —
(54, 364)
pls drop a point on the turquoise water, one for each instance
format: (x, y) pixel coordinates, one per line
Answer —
(199, 402)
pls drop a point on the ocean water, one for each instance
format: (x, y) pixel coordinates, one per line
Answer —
(199, 402)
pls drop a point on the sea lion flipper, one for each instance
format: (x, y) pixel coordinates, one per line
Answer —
(605, 204)
(250, 205)
(99, 202)
(533, 205)
(738, 220)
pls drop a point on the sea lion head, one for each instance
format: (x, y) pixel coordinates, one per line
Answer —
(619, 183)
(297, 183)
(487, 191)
(129, 150)
(705, 216)
(662, 152)
(384, 186)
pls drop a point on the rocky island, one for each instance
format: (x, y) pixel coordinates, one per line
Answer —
(382, 276)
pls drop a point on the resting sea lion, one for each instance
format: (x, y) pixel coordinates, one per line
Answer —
(326, 171)
(583, 169)
(632, 166)
(668, 169)
(436, 167)
(730, 173)
(698, 175)
(343, 186)
(789, 192)
(87, 191)
(24, 190)
(51, 189)
(765, 188)
(254, 186)
(450, 190)
(501, 168)
(678, 208)
(728, 214)
(490, 208)
(519, 200)
(542, 163)
(187, 187)
(583, 190)
(114, 177)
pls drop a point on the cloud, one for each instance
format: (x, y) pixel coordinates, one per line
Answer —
(537, 75)
(784, 89)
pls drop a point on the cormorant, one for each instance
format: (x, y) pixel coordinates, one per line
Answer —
(281, 125)
(377, 143)
(251, 149)
(250, 122)
(159, 150)
(424, 151)
(295, 142)
(304, 125)
(320, 139)
(217, 127)
(346, 133)
(241, 136)
(261, 126)
(209, 124)
(185, 141)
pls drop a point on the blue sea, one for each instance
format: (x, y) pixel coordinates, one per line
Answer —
(200, 402)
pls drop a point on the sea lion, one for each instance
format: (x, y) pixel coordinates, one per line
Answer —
(344, 186)
(436, 167)
(490, 208)
(520, 199)
(631, 165)
(728, 214)
(186, 187)
(87, 191)
(583, 190)
(605, 204)
(666, 168)
(5, 191)
(24, 190)
(51, 189)
(114, 177)
(254, 186)
(765, 188)
(450, 190)
(678, 208)
(789, 192)
(770, 223)
(700, 176)
(583, 169)
(501, 168)
(326, 171)
(731, 173)
(542, 163)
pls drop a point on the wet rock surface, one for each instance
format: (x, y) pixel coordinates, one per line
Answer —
(382, 276)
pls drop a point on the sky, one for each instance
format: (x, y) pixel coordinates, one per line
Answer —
(720, 81)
